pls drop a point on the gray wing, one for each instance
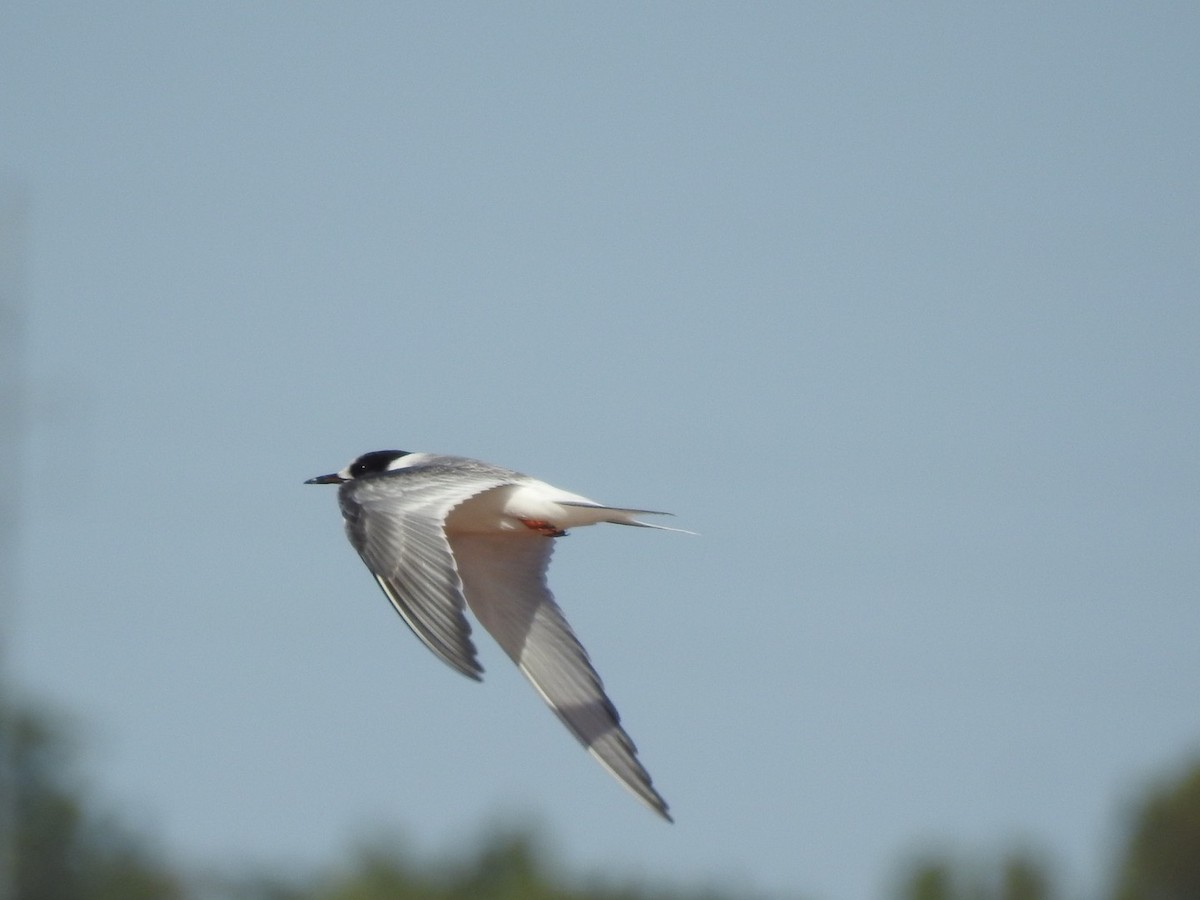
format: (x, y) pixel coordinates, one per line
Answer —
(504, 579)
(395, 523)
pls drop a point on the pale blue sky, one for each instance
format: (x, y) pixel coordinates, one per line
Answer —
(896, 305)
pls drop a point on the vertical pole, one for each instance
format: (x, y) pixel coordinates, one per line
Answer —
(12, 422)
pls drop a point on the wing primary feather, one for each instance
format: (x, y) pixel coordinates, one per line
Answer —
(395, 522)
(503, 580)
(463, 659)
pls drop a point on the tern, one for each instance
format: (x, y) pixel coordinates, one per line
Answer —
(443, 533)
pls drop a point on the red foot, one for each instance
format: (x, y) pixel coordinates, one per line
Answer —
(543, 527)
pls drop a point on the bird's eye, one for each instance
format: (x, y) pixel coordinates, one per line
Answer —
(357, 469)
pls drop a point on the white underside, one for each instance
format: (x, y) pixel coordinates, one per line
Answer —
(506, 509)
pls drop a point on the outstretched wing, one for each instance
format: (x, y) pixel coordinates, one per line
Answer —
(395, 523)
(504, 580)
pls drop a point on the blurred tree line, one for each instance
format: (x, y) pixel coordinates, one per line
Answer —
(64, 849)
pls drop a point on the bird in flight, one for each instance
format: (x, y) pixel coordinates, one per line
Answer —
(442, 533)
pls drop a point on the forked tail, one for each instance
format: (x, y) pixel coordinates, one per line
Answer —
(622, 516)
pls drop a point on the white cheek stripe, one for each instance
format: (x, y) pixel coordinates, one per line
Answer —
(409, 459)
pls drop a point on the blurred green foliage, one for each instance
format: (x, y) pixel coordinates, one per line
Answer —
(503, 865)
(1162, 861)
(1019, 876)
(65, 850)
(61, 849)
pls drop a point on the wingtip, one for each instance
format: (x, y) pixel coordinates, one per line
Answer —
(474, 671)
(650, 798)
(663, 811)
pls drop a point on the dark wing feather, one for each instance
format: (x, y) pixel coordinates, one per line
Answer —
(395, 523)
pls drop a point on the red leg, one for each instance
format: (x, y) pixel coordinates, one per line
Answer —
(543, 527)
